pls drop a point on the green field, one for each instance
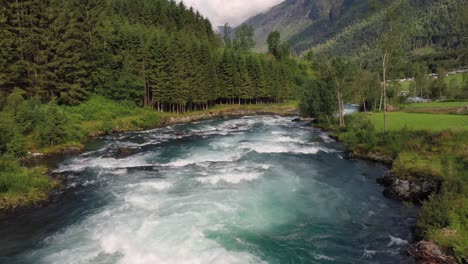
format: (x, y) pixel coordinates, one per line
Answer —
(457, 77)
(438, 105)
(421, 121)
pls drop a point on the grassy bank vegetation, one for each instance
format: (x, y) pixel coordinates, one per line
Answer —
(27, 125)
(436, 151)
(20, 186)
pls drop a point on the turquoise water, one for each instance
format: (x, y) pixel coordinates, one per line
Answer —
(248, 190)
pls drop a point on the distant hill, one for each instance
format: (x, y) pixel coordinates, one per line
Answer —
(351, 26)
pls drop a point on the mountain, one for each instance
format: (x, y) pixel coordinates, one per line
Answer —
(306, 22)
(351, 26)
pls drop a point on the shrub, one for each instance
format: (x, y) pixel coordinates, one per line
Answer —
(17, 146)
(21, 186)
(444, 219)
(150, 119)
(100, 108)
(8, 131)
(108, 126)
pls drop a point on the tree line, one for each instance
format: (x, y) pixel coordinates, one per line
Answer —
(156, 53)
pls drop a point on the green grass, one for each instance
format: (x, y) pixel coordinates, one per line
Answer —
(405, 86)
(457, 77)
(457, 104)
(418, 121)
(21, 186)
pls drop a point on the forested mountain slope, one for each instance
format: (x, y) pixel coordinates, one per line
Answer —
(349, 27)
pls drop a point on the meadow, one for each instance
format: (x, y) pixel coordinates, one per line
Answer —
(420, 121)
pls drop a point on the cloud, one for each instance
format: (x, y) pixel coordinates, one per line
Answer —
(232, 11)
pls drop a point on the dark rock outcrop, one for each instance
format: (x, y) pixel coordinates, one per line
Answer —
(415, 190)
(370, 156)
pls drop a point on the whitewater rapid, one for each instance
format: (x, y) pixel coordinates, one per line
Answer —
(246, 190)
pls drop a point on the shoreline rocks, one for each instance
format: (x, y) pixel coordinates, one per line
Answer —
(429, 253)
(370, 156)
(415, 190)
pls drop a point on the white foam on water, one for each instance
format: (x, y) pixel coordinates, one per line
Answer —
(326, 138)
(270, 147)
(395, 241)
(323, 257)
(369, 253)
(113, 165)
(119, 171)
(142, 201)
(229, 178)
(206, 156)
(288, 139)
(153, 185)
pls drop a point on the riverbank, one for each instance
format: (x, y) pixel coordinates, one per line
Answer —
(96, 128)
(29, 187)
(427, 168)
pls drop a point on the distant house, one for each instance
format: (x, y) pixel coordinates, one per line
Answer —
(404, 93)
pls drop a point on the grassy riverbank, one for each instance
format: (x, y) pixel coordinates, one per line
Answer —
(20, 186)
(34, 129)
(422, 151)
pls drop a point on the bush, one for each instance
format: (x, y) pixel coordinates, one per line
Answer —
(359, 130)
(150, 119)
(100, 108)
(17, 146)
(108, 126)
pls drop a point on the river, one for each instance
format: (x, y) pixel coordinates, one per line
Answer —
(245, 190)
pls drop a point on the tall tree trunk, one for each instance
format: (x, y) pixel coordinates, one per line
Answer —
(20, 37)
(340, 105)
(381, 97)
(421, 91)
(90, 31)
(364, 104)
(384, 66)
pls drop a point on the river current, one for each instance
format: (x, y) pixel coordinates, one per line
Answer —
(245, 190)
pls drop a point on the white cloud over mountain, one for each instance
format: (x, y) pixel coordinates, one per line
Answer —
(232, 11)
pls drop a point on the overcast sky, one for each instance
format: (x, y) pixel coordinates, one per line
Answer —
(232, 11)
